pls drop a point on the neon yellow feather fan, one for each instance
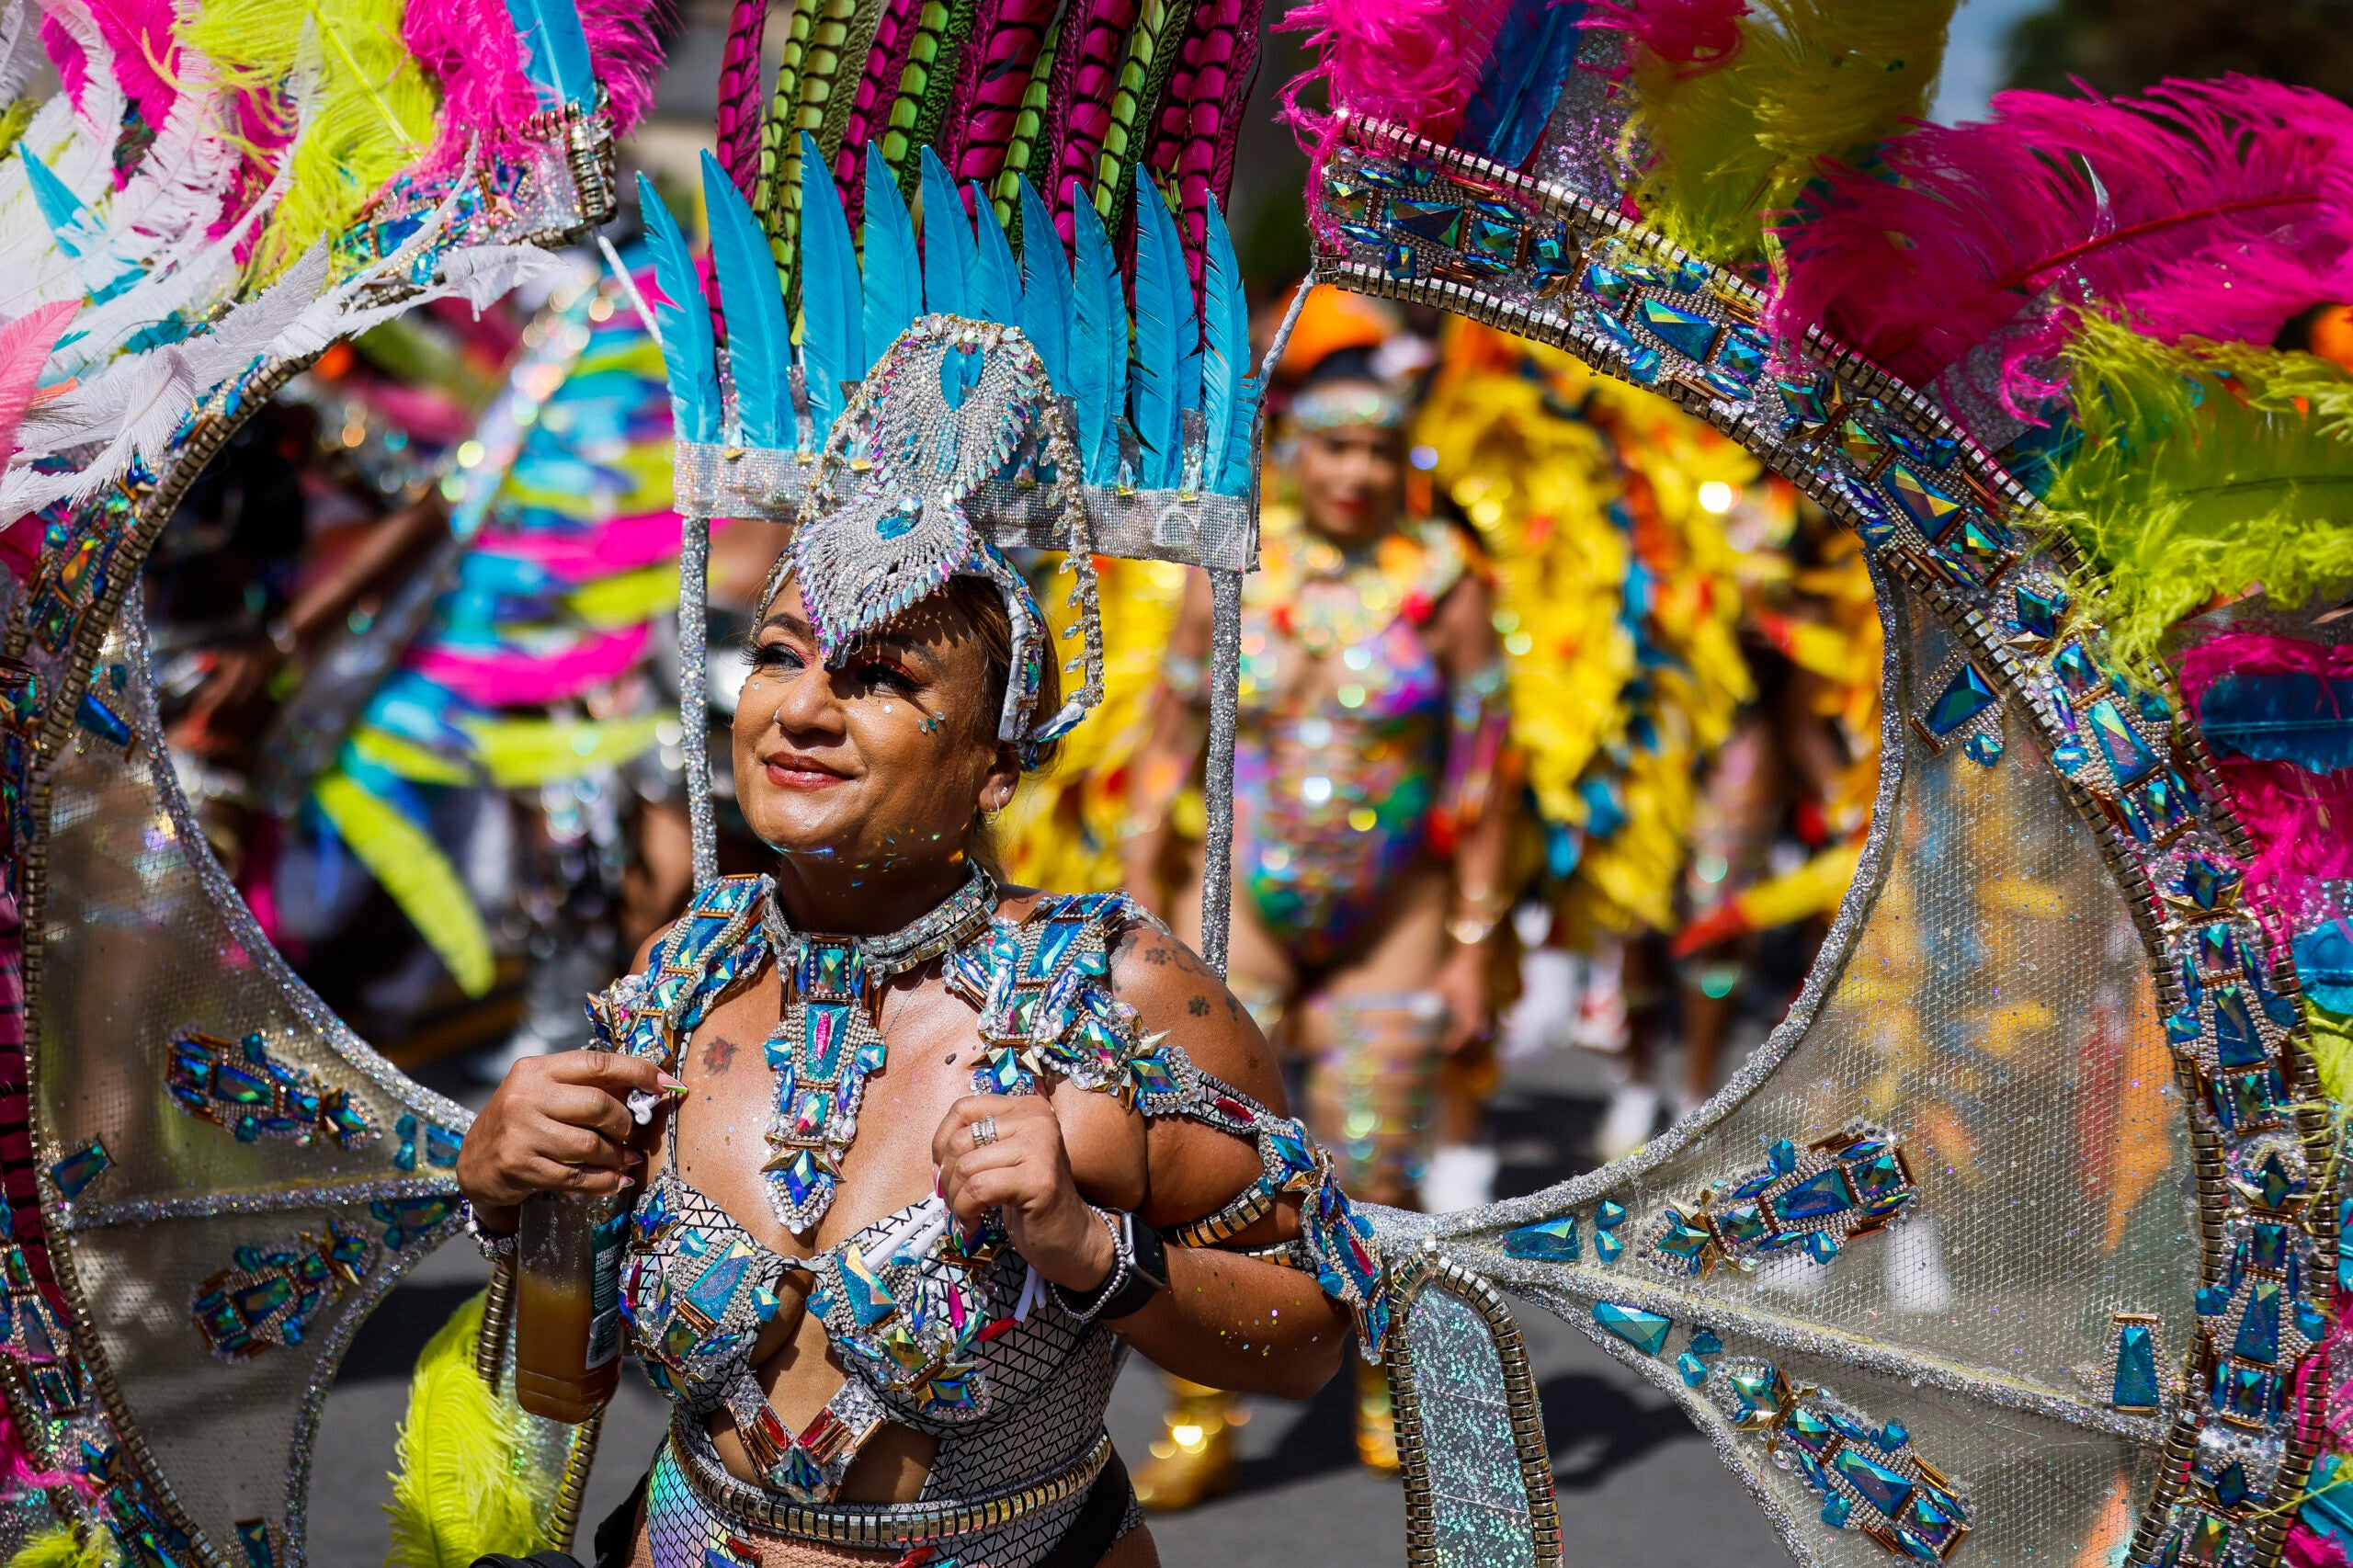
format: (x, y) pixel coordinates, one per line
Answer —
(367, 114)
(1721, 145)
(403, 858)
(2206, 470)
(472, 1479)
(59, 1546)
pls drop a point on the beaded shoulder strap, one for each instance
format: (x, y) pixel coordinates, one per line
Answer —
(717, 941)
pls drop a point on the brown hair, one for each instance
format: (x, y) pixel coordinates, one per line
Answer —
(980, 604)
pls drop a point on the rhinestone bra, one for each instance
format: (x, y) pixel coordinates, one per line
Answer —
(951, 1336)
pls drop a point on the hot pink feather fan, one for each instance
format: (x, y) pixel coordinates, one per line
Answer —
(1693, 35)
(139, 35)
(471, 49)
(2210, 209)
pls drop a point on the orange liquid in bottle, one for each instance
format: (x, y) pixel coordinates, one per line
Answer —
(567, 1306)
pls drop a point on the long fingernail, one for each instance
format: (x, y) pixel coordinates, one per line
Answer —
(632, 1157)
(669, 1083)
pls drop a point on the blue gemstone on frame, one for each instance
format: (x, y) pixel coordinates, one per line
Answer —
(80, 1168)
(1883, 1488)
(1982, 750)
(1705, 1343)
(1743, 351)
(1607, 1246)
(1688, 333)
(1694, 1371)
(1837, 1511)
(1965, 695)
(1821, 1194)
(1783, 1156)
(2128, 757)
(2259, 1336)
(2135, 1385)
(1552, 1240)
(1609, 1215)
(2236, 1043)
(1645, 1330)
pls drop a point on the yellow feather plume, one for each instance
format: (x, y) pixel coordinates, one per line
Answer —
(59, 1546)
(368, 113)
(472, 1479)
(410, 866)
(1811, 79)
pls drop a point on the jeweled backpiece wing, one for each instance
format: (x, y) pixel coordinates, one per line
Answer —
(2014, 1240)
(209, 1181)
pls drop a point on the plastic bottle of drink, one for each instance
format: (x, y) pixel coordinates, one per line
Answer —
(567, 1303)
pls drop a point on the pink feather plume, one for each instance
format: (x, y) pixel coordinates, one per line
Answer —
(471, 49)
(1412, 63)
(1699, 35)
(2298, 820)
(2210, 209)
(139, 35)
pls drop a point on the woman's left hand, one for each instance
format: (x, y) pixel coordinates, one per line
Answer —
(1461, 980)
(1023, 1173)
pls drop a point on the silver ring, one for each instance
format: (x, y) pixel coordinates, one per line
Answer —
(984, 1131)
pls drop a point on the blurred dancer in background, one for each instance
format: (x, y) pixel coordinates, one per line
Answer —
(500, 757)
(1371, 820)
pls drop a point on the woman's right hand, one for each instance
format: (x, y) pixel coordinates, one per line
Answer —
(559, 1123)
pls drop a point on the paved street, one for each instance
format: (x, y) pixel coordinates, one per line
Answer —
(1637, 1483)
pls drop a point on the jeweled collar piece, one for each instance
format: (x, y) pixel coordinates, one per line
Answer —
(827, 1043)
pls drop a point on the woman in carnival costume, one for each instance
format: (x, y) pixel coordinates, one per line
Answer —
(1369, 831)
(1006, 1133)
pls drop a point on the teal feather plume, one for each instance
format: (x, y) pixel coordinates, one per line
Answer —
(684, 318)
(1229, 397)
(994, 293)
(1045, 287)
(1098, 358)
(832, 313)
(555, 47)
(759, 338)
(60, 208)
(893, 265)
(947, 243)
(1164, 323)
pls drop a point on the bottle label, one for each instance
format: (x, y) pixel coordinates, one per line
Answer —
(604, 1285)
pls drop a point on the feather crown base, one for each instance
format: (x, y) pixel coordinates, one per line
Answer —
(953, 409)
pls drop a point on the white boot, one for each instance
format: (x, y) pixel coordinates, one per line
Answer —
(1541, 1020)
(1461, 1176)
(1627, 1126)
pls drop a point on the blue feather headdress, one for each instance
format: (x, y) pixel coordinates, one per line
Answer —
(947, 403)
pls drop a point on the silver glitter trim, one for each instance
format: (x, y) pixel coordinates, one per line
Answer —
(1570, 1289)
(1217, 787)
(331, 1351)
(77, 1218)
(1189, 528)
(694, 688)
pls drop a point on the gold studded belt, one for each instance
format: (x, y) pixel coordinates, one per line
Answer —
(880, 1524)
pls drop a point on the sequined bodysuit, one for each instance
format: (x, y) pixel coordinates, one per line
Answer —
(959, 1341)
(1335, 796)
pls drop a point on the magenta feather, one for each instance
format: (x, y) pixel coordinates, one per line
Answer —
(2215, 210)
(1698, 35)
(991, 73)
(1201, 123)
(740, 98)
(1078, 102)
(471, 50)
(1412, 63)
(139, 35)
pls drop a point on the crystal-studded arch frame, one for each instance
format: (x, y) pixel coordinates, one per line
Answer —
(137, 511)
(1496, 246)
(78, 589)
